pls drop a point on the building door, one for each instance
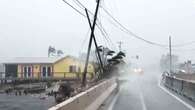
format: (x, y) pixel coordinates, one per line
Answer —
(25, 72)
(43, 71)
(49, 71)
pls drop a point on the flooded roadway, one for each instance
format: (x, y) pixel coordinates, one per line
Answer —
(29, 102)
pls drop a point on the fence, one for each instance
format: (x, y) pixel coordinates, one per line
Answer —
(64, 76)
(38, 75)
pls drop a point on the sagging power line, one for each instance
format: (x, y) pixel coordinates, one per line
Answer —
(124, 29)
(74, 8)
(98, 23)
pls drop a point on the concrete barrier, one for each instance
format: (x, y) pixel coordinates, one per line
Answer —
(181, 86)
(168, 82)
(91, 99)
(177, 85)
(189, 90)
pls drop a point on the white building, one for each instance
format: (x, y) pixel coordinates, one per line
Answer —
(2, 71)
(2, 67)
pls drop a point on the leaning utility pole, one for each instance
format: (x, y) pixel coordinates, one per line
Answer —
(95, 42)
(170, 54)
(90, 43)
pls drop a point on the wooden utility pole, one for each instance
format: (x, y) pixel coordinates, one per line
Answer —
(170, 54)
(95, 42)
(120, 45)
(90, 43)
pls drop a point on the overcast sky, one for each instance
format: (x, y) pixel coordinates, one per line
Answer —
(28, 27)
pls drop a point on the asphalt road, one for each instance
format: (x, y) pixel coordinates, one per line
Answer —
(142, 92)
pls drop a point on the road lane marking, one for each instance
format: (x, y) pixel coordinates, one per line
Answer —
(142, 101)
(177, 98)
(141, 96)
(113, 102)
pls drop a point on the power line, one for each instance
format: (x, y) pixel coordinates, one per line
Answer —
(74, 8)
(184, 44)
(82, 6)
(92, 37)
(79, 4)
(79, 12)
(103, 38)
(105, 35)
(84, 40)
(124, 29)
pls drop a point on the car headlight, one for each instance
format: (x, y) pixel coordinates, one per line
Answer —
(135, 70)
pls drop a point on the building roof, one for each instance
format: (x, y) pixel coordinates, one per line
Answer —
(33, 60)
(4, 59)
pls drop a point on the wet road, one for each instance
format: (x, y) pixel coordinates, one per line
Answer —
(144, 93)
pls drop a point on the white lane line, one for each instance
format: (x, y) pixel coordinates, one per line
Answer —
(142, 101)
(113, 102)
(177, 98)
(141, 96)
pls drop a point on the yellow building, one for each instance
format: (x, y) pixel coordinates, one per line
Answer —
(46, 67)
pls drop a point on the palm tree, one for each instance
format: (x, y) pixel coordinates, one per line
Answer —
(51, 51)
(60, 52)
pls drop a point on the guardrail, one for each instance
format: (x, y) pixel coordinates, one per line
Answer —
(181, 86)
(91, 99)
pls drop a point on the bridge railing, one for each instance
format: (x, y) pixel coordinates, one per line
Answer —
(181, 86)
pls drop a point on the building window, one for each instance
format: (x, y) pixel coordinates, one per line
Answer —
(46, 71)
(27, 71)
(72, 69)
